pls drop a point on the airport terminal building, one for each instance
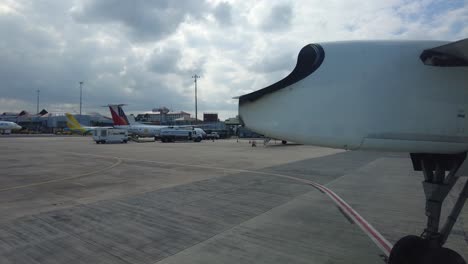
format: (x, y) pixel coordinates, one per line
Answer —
(161, 116)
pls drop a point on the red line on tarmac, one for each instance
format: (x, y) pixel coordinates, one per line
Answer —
(368, 229)
(365, 226)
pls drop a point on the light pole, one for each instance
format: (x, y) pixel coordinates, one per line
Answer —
(196, 107)
(81, 95)
(37, 105)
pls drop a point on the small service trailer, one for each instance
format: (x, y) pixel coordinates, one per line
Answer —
(108, 135)
(174, 134)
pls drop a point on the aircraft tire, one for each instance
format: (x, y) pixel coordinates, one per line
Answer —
(445, 255)
(284, 142)
(415, 250)
(409, 249)
(97, 142)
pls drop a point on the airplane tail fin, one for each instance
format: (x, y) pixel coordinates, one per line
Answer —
(118, 115)
(131, 119)
(72, 123)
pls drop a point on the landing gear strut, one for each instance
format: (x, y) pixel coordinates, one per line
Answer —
(437, 184)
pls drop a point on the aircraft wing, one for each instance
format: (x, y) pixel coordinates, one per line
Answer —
(454, 54)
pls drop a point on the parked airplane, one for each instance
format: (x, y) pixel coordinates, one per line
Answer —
(409, 96)
(6, 127)
(76, 127)
(122, 121)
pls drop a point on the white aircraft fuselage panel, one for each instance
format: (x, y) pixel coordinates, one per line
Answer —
(375, 95)
(6, 125)
(142, 130)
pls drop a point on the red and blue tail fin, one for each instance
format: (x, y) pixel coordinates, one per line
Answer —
(118, 115)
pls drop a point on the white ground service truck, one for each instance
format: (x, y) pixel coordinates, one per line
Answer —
(110, 135)
(212, 135)
(174, 134)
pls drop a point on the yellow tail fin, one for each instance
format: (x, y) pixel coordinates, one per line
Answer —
(72, 123)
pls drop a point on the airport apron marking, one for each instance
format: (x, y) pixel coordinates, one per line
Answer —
(378, 239)
(119, 161)
(367, 228)
(370, 231)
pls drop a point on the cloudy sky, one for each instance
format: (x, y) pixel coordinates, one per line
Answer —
(144, 52)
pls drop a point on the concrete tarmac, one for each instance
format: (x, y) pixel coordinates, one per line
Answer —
(66, 199)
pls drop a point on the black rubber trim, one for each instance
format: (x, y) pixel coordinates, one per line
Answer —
(434, 58)
(309, 60)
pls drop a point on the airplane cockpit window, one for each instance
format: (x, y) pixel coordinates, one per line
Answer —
(308, 61)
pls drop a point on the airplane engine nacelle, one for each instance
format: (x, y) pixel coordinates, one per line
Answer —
(375, 95)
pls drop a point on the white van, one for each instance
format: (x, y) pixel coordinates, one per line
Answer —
(107, 135)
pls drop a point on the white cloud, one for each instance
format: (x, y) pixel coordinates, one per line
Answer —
(144, 52)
